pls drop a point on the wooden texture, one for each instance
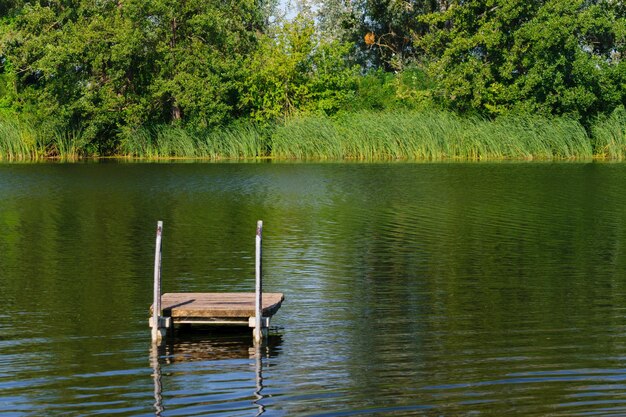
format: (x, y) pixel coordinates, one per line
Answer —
(218, 305)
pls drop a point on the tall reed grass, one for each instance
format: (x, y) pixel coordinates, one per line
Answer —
(233, 142)
(241, 141)
(64, 145)
(17, 141)
(367, 136)
(20, 141)
(609, 135)
(429, 136)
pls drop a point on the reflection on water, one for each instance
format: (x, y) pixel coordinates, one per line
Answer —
(197, 346)
(156, 377)
(412, 289)
(258, 356)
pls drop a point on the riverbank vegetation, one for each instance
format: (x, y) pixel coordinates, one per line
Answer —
(366, 136)
(364, 80)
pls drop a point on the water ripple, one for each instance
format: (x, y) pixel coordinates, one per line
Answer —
(411, 289)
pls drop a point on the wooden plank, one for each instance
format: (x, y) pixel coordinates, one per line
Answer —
(218, 304)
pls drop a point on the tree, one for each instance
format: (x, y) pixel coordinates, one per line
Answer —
(552, 57)
(383, 31)
(201, 47)
(295, 72)
(107, 67)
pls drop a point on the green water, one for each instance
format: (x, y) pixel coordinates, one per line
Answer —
(411, 289)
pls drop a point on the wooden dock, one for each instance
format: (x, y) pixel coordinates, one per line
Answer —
(253, 309)
(228, 308)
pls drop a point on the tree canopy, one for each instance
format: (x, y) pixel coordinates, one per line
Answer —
(105, 68)
(551, 57)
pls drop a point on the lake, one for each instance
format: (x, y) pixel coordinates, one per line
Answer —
(410, 289)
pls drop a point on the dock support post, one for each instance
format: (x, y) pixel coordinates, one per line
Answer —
(157, 330)
(258, 327)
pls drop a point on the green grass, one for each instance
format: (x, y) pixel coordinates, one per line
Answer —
(242, 141)
(17, 141)
(20, 141)
(366, 136)
(232, 142)
(429, 136)
(65, 145)
(158, 142)
(609, 135)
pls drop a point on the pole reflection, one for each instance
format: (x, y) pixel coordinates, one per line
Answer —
(156, 378)
(194, 346)
(258, 350)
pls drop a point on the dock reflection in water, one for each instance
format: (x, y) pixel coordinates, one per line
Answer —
(194, 356)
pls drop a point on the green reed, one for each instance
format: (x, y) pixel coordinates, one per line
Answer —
(66, 145)
(17, 141)
(429, 135)
(158, 142)
(240, 141)
(368, 136)
(609, 135)
(21, 141)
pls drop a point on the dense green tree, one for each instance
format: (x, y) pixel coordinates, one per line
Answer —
(200, 51)
(8, 9)
(107, 66)
(383, 30)
(492, 56)
(552, 57)
(294, 71)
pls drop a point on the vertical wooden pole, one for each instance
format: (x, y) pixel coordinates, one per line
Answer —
(258, 332)
(156, 304)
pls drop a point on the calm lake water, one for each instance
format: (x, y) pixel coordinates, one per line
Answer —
(411, 289)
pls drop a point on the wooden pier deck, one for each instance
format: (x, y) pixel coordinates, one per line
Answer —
(237, 309)
(230, 308)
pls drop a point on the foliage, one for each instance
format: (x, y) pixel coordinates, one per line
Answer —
(609, 133)
(157, 78)
(408, 89)
(430, 135)
(551, 57)
(383, 29)
(106, 66)
(294, 72)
